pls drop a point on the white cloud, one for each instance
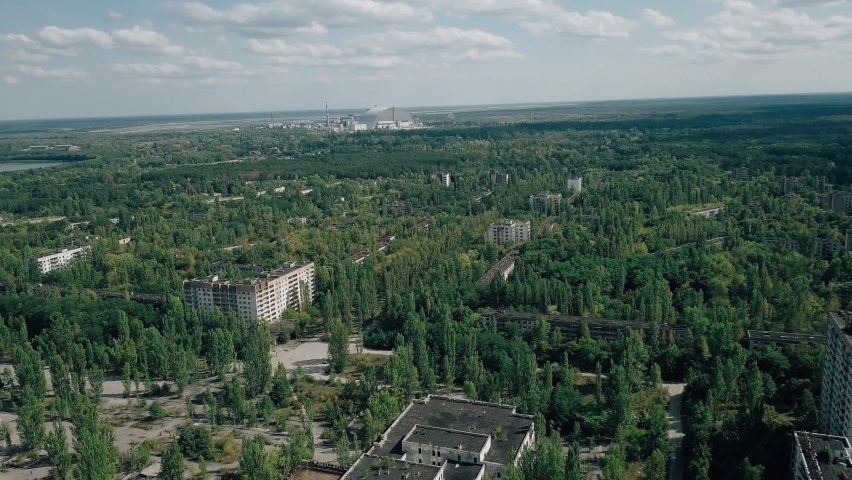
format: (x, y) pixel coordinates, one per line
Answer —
(8, 79)
(115, 16)
(362, 61)
(594, 24)
(22, 48)
(743, 31)
(150, 69)
(141, 39)
(280, 47)
(477, 55)
(807, 3)
(506, 8)
(397, 41)
(210, 63)
(656, 18)
(287, 17)
(59, 73)
(59, 37)
(27, 56)
(664, 50)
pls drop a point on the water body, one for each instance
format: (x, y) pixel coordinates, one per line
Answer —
(14, 166)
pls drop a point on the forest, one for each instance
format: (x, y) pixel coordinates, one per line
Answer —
(410, 320)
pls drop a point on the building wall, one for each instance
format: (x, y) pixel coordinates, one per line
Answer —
(435, 455)
(57, 260)
(575, 184)
(836, 411)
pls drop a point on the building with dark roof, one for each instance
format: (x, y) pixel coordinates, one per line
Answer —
(504, 268)
(440, 438)
(758, 339)
(571, 326)
(317, 471)
(821, 457)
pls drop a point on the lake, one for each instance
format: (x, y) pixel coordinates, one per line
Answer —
(13, 166)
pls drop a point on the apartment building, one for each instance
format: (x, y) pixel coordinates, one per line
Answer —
(838, 202)
(265, 297)
(836, 399)
(759, 339)
(741, 173)
(575, 184)
(510, 231)
(441, 438)
(820, 457)
(445, 179)
(498, 178)
(572, 326)
(196, 216)
(546, 203)
(57, 259)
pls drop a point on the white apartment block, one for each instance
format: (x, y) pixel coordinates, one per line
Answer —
(836, 408)
(820, 457)
(445, 179)
(546, 203)
(510, 231)
(57, 259)
(265, 297)
(575, 184)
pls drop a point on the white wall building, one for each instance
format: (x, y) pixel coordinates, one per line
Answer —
(265, 297)
(510, 231)
(575, 184)
(836, 399)
(57, 259)
(445, 179)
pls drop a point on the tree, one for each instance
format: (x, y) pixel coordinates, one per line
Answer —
(573, 466)
(615, 463)
(338, 344)
(220, 351)
(656, 469)
(543, 461)
(658, 429)
(29, 369)
(93, 443)
(470, 390)
(31, 420)
(57, 452)
(156, 411)
(281, 391)
(172, 466)
(749, 472)
(567, 402)
(254, 465)
(256, 365)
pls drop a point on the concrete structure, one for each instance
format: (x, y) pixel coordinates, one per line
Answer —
(196, 216)
(707, 212)
(391, 118)
(498, 178)
(758, 339)
(445, 179)
(216, 267)
(440, 438)
(124, 241)
(264, 297)
(836, 399)
(741, 173)
(572, 326)
(790, 184)
(820, 457)
(575, 184)
(546, 203)
(827, 248)
(57, 259)
(317, 471)
(504, 268)
(838, 202)
(510, 231)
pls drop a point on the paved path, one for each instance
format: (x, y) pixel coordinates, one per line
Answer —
(676, 434)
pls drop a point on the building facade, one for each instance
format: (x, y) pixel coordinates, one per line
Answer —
(838, 202)
(57, 259)
(820, 457)
(708, 212)
(575, 184)
(546, 203)
(262, 298)
(759, 339)
(741, 173)
(445, 179)
(498, 178)
(836, 399)
(510, 231)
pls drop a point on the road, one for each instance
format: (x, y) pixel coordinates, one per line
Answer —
(673, 414)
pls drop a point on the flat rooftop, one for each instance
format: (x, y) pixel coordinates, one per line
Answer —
(462, 471)
(843, 320)
(371, 466)
(447, 438)
(463, 416)
(821, 455)
(783, 337)
(513, 316)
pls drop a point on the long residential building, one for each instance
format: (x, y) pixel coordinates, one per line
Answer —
(836, 410)
(572, 326)
(759, 339)
(57, 259)
(510, 231)
(441, 438)
(265, 297)
(820, 457)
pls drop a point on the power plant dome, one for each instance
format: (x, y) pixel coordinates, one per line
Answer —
(386, 117)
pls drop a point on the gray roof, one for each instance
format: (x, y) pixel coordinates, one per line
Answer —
(373, 116)
(819, 450)
(464, 416)
(447, 438)
(369, 466)
(462, 471)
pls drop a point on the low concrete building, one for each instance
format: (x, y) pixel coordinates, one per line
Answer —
(196, 216)
(708, 212)
(575, 184)
(758, 339)
(820, 457)
(57, 259)
(504, 268)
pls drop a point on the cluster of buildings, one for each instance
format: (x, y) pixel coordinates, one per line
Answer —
(57, 259)
(67, 148)
(822, 247)
(440, 438)
(837, 202)
(263, 297)
(377, 118)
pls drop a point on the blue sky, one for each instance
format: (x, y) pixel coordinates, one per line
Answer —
(110, 58)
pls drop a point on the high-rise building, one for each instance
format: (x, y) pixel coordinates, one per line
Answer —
(575, 184)
(788, 184)
(498, 178)
(741, 173)
(57, 259)
(820, 457)
(546, 203)
(510, 231)
(838, 202)
(445, 179)
(264, 297)
(836, 411)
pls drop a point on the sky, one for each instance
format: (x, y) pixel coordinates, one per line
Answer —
(97, 58)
